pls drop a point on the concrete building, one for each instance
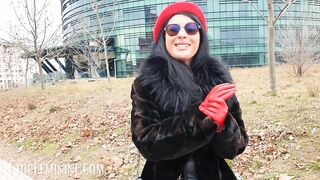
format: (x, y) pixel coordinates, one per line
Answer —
(237, 33)
(13, 68)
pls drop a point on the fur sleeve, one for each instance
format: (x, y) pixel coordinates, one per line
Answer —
(164, 139)
(233, 139)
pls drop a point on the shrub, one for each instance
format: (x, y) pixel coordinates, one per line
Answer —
(54, 109)
(31, 106)
(313, 90)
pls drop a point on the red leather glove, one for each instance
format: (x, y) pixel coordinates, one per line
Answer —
(215, 105)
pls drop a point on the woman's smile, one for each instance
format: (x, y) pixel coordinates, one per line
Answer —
(182, 45)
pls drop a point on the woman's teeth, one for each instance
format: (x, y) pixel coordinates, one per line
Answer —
(182, 45)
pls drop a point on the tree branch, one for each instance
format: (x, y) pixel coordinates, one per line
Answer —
(257, 10)
(283, 10)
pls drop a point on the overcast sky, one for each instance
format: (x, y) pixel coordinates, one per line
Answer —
(7, 15)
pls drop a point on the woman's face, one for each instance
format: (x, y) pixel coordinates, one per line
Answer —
(182, 46)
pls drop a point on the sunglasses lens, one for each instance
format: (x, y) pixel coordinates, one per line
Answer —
(191, 28)
(173, 29)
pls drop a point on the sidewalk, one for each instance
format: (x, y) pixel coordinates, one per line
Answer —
(8, 172)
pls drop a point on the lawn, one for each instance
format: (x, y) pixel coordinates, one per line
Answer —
(82, 124)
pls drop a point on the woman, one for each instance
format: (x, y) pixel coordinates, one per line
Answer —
(185, 117)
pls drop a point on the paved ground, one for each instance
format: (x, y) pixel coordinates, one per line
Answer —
(9, 172)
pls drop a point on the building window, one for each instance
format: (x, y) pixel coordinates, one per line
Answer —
(314, 2)
(239, 36)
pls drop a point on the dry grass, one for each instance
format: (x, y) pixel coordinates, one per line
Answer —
(294, 112)
(83, 118)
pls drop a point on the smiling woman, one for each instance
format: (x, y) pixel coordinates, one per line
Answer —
(185, 117)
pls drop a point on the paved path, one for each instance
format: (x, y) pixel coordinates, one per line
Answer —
(9, 172)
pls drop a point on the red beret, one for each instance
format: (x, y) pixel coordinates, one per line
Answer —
(176, 8)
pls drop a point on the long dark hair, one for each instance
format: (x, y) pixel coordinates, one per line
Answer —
(180, 75)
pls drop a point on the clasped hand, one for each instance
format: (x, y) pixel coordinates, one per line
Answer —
(215, 105)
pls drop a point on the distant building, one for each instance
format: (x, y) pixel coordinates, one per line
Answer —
(237, 33)
(13, 68)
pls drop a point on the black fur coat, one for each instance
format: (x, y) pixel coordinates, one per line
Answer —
(167, 137)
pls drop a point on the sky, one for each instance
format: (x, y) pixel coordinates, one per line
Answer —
(7, 15)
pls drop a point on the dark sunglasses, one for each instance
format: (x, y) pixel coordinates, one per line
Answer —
(191, 28)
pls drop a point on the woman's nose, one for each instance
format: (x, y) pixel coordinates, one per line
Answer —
(182, 33)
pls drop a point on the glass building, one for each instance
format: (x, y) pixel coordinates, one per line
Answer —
(237, 33)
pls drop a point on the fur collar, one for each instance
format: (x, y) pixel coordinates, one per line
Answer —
(211, 73)
(171, 95)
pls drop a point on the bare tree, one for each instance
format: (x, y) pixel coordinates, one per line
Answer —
(300, 43)
(87, 51)
(272, 20)
(103, 35)
(33, 30)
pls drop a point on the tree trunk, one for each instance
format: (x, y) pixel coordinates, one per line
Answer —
(300, 71)
(41, 74)
(115, 68)
(26, 73)
(271, 47)
(107, 62)
(10, 73)
(11, 80)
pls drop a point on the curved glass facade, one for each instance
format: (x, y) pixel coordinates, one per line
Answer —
(236, 32)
